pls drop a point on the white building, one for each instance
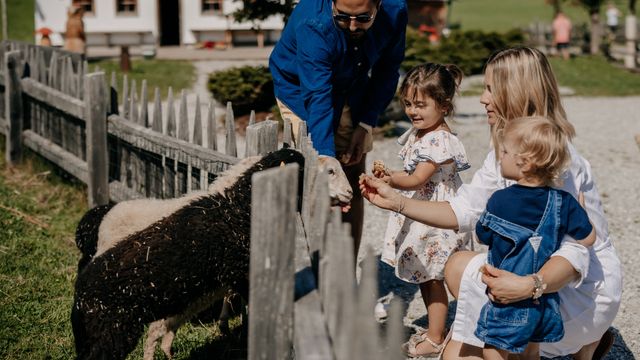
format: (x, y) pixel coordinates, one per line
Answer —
(157, 22)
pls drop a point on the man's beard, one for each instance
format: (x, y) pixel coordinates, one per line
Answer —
(355, 35)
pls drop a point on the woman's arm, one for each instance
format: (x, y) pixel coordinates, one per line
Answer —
(437, 214)
(506, 287)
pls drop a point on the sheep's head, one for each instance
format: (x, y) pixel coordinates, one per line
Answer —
(339, 188)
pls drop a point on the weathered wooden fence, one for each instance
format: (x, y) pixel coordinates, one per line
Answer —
(304, 300)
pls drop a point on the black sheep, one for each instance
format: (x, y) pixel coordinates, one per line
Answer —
(157, 272)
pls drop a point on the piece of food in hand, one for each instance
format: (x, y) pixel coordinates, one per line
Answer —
(379, 170)
(344, 158)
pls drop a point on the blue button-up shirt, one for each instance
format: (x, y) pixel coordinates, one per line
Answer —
(316, 68)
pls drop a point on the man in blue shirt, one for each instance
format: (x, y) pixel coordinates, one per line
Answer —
(336, 67)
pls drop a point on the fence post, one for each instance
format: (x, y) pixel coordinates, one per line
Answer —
(272, 266)
(96, 121)
(261, 138)
(13, 107)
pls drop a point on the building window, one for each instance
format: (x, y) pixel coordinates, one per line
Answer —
(126, 6)
(212, 7)
(86, 5)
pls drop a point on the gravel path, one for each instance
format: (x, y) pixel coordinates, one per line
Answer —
(606, 129)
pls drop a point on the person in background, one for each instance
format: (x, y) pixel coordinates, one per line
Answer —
(74, 36)
(336, 67)
(613, 14)
(561, 28)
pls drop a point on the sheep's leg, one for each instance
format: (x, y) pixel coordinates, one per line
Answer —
(225, 314)
(157, 330)
(167, 341)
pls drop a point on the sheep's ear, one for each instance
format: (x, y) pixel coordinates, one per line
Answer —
(286, 145)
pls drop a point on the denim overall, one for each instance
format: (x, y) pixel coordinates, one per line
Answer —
(510, 327)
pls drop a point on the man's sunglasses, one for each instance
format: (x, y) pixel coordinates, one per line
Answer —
(346, 18)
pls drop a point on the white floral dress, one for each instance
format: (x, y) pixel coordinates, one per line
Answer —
(417, 251)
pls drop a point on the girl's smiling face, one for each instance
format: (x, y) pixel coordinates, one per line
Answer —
(423, 111)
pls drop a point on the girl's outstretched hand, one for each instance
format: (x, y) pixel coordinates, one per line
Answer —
(379, 193)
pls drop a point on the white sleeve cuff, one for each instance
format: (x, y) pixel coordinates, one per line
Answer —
(577, 255)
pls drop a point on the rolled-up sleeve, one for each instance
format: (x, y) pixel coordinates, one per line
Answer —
(577, 255)
(471, 199)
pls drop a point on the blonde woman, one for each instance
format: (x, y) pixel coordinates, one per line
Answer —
(519, 82)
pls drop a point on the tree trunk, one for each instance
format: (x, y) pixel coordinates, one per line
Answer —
(596, 31)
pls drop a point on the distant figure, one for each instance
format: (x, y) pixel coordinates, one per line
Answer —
(561, 27)
(75, 39)
(612, 18)
(44, 32)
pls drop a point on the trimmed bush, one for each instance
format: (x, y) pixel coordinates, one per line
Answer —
(247, 87)
(467, 49)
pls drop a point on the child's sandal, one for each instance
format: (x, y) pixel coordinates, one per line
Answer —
(410, 347)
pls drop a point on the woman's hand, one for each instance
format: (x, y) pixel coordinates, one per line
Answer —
(379, 193)
(505, 287)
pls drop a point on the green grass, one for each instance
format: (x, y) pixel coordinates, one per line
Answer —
(20, 20)
(594, 76)
(38, 259)
(161, 73)
(503, 15)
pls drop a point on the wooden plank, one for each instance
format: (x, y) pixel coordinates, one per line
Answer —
(286, 132)
(183, 119)
(212, 129)
(13, 108)
(144, 105)
(197, 124)
(273, 232)
(157, 143)
(319, 210)
(230, 124)
(365, 335)
(171, 128)
(97, 161)
(119, 192)
(55, 98)
(261, 138)
(56, 154)
(337, 284)
(311, 340)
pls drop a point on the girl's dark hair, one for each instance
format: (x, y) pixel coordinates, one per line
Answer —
(439, 82)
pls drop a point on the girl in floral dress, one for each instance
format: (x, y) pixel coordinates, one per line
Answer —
(432, 157)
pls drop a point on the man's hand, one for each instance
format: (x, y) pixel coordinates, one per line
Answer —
(356, 148)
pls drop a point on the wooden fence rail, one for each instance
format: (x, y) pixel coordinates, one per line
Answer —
(304, 301)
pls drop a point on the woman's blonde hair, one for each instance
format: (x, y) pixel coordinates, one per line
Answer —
(542, 144)
(524, 85)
